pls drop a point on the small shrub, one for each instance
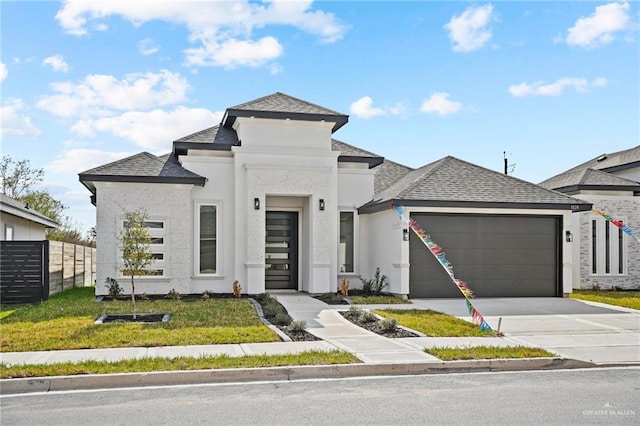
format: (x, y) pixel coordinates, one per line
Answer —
(205, 296)
(237, 289)
(282, 318)
(264, 298)
(596, 286)
(374, 285)
(388, 324)
(298, 326)
(368, 316)
(144, 296)
(173, 294)
(113, 287)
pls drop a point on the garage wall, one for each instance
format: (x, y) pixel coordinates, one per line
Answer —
(498, 255)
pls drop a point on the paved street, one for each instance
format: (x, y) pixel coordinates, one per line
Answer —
(593, 396)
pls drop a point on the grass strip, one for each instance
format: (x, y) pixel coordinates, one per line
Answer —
(378, 300)
(487, 352)
(434, 324)
(174, 364)
(627, 299)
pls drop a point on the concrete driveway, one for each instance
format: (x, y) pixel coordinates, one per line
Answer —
(587, 331)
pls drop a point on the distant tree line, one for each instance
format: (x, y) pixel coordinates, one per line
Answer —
(18, 180)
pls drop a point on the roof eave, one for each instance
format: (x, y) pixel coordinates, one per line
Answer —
(620, 167)
(231, 115)
(576, 188)
(378, 206)
(182, 148)
(371, 161)
(28, 215)
(198, 181)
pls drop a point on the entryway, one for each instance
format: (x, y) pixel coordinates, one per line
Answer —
(281, 250)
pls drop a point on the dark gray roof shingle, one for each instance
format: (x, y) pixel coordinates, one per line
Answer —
(603, 162)
(280, 102)
(450, 181)
(215, 134)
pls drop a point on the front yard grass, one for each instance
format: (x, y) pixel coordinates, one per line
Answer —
(627, 299)
(487, 352)
(65, 321)
(378, 300)
(174, 364)
(434, 324)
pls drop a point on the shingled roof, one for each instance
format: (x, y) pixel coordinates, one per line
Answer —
(142, 167)
(282, 106)
(583, 176)
(451, 182)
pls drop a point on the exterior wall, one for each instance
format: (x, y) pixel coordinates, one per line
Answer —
(168, 202)
(386, 249)
(620, 207)
(22, 229)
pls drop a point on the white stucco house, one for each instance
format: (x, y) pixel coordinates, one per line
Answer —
(607, 256)
(19, 222)
(269, 198)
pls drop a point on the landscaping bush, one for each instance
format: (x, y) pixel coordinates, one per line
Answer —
(374, 285)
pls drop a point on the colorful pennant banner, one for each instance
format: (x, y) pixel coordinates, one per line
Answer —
(441, 257)
(618, 223)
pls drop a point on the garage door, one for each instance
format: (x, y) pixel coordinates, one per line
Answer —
(498, 256)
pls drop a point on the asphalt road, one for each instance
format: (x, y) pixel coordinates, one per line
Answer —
(593, 396)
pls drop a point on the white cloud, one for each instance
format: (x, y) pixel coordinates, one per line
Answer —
(79, 160)
(152, 130)
(439, 103)
(556, 88)
(470, 30)
(598, 29)
(233, 53)
(98, 93)
(14, 123)
(215, 27)
(3, 72)
(148, 47)
(56, 62)
(363, 108)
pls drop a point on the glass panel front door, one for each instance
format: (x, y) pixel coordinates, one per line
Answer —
(281, 250)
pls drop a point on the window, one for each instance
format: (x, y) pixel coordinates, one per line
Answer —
(346, 247)
(608, 248)
(8, 232)
(157, 231)
(207, 238)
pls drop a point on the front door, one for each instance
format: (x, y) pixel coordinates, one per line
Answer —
(281, 251)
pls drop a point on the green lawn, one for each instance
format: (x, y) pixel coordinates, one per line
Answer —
(487, 352)
(628, 299)
(434, 324)
(378, 300)
(65, 321)
(174, 364)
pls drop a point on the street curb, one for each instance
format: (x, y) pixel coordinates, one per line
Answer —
(165, 378)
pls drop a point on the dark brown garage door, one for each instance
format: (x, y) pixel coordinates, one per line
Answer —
(498, 256)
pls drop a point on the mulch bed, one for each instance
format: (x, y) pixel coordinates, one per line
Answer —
(376, 326)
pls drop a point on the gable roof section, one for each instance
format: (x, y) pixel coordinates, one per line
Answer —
(585, 179)
(450, 182)
(16, 208)
(282, 106)
(142, 167)
(353, 154)
(575, 176)
(216, 138)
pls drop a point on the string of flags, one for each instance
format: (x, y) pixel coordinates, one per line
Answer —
(441, 257)
(619, 224)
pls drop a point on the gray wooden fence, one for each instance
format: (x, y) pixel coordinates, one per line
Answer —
(31, 271)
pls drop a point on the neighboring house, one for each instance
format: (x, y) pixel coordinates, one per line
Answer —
(19, 222)
(607, 257)
(270, 199)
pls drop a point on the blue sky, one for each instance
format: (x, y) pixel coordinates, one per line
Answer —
(551, 83)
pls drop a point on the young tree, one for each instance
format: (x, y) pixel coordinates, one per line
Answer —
(18, 177)
(134, 243)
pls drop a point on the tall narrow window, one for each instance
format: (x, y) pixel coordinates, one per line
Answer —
(594, 247)
(346, 248)
(620, 251)
(208, 244)
(607, 248)
(8, 232)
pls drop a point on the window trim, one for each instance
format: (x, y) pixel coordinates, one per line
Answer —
(196, 239)
(355, 242)
(156, 264)
(605, 242)
(8, 227)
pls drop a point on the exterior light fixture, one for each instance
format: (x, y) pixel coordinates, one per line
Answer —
(256, 203)
(405, 235)
(568, 237)
(321, 205)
